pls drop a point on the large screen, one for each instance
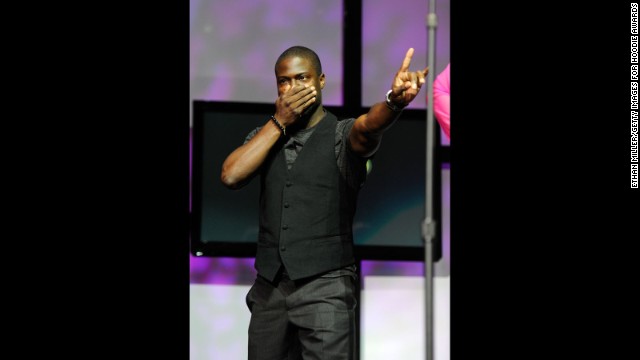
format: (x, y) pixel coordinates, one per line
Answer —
(234, 46)
(391, 205)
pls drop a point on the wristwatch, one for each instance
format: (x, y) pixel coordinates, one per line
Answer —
(391, 105)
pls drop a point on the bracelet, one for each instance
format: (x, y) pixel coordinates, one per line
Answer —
(284, 132)
(391, 105)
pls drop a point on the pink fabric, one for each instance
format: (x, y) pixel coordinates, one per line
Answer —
(441, 105)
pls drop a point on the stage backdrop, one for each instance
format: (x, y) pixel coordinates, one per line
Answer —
(234, 45)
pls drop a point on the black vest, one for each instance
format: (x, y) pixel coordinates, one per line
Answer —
(306, 213)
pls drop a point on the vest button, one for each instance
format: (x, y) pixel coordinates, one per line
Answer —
(285, 227)
(283, 248)
(288, 183)
(286, 204)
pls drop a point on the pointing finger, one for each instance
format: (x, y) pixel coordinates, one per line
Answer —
(407, 60)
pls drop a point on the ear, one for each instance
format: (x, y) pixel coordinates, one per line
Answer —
(321, 78)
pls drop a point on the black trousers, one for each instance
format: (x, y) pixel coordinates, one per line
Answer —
(310, 319)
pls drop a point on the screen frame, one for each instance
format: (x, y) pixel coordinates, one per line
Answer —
(245, 249)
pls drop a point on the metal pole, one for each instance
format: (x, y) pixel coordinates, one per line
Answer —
(429, 225)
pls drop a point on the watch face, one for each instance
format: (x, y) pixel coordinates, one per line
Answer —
(390, 103)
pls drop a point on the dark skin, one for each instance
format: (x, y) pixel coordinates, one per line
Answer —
(299, 106)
